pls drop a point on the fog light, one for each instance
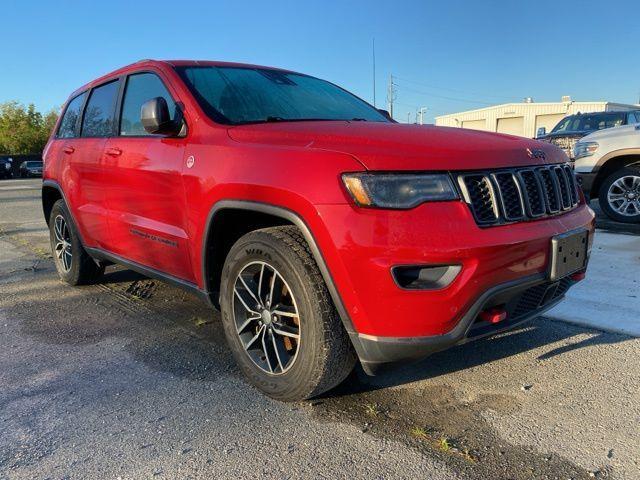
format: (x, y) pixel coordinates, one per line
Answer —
(425, 277)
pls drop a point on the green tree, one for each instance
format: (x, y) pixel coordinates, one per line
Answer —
(24, 130)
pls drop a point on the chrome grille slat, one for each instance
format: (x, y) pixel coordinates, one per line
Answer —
(509, 195)
(519, 194)
(532, 193)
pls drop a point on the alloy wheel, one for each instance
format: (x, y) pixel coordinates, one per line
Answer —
(624, 195)
(266, 317)
(62, 246)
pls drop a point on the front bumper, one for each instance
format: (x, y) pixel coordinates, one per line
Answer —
(524, 299)
(389, 323)
(585, 180)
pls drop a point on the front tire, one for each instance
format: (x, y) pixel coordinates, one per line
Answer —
(73, 263)
(278, 317)
(619, 195)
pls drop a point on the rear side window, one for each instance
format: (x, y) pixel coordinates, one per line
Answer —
(99, 112)
(69, 121)
(141, 88)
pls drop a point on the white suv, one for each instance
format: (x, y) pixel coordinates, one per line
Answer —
(608, 166)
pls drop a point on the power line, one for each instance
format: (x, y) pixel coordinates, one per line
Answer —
(455, 99)
(503, 97)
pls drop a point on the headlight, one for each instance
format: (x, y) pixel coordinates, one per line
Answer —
(398, 190)
(584, 149)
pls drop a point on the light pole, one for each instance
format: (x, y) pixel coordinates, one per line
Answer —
(421, 111)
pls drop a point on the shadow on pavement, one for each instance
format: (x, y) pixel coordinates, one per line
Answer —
(536, 334)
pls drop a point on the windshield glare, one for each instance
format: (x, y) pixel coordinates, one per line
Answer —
(589, 123)
(238, 95)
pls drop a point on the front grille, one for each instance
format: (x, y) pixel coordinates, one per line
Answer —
(564, 143)
(513, 195)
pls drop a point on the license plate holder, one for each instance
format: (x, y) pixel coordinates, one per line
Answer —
(568, 253)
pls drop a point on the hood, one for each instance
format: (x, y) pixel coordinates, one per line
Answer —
(395, 146)
(577, 134)
(613, 132)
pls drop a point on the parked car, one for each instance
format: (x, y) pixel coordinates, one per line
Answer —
(572, 128)
(31, 168)
(608, 168)
(6, 166)
(325, 232)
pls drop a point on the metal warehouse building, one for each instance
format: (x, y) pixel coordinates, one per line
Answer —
(524, 119)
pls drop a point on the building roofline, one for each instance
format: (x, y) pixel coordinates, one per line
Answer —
(513, 104)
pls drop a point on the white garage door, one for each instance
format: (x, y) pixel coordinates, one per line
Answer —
(511, 126)
(548, 121)
(475, 124)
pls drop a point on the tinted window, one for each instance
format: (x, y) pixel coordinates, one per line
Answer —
(634, 117)
(98, 115)
(589, 122)
(141, 88)
(253, 95)
(70, 119)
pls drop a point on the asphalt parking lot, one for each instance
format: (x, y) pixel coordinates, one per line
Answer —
(132, 379)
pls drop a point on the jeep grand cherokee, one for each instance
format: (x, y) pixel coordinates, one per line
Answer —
(325, 232)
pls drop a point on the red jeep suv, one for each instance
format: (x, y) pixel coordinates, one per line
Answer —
(324, 231)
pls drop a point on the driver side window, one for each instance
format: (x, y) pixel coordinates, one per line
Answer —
(140, 88)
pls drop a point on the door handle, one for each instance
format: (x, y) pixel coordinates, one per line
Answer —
(114, 152)
(68, 150)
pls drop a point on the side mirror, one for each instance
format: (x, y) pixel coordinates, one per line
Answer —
(386, 114)
(156, 118)
(542, 131)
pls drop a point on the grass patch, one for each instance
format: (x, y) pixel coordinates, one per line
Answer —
(371, 409)
(443, 445)
(419, 432)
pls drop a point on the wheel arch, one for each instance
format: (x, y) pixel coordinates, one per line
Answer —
(51, 193)
(224, 219)
(609, 164)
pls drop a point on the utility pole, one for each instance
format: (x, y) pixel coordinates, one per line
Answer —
(391, 95)
(374, 72)
(422, 110)
(408, 117)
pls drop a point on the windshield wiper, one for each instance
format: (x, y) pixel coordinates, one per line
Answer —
(358, 120)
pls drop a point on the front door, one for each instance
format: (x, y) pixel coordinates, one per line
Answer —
(145, 194)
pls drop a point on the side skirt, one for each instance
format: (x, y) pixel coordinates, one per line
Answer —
(102, 255)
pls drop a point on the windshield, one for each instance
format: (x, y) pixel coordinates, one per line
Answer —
(34, 164)
(589, 122)
(239, 95)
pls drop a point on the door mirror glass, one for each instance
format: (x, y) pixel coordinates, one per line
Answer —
(156, 119)
(542, 131)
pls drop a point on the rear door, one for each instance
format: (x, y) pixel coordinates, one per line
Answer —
(145, 193)
(81, 161)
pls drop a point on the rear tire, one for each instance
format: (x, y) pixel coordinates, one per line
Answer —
(73, 263)
(321, 356)
(619, 195)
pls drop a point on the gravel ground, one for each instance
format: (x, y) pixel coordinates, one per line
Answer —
(131, 378)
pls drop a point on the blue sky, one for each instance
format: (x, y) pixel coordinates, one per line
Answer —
(447, 56)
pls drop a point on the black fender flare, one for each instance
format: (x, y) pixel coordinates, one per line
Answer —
(295, 219)
(56, 185)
